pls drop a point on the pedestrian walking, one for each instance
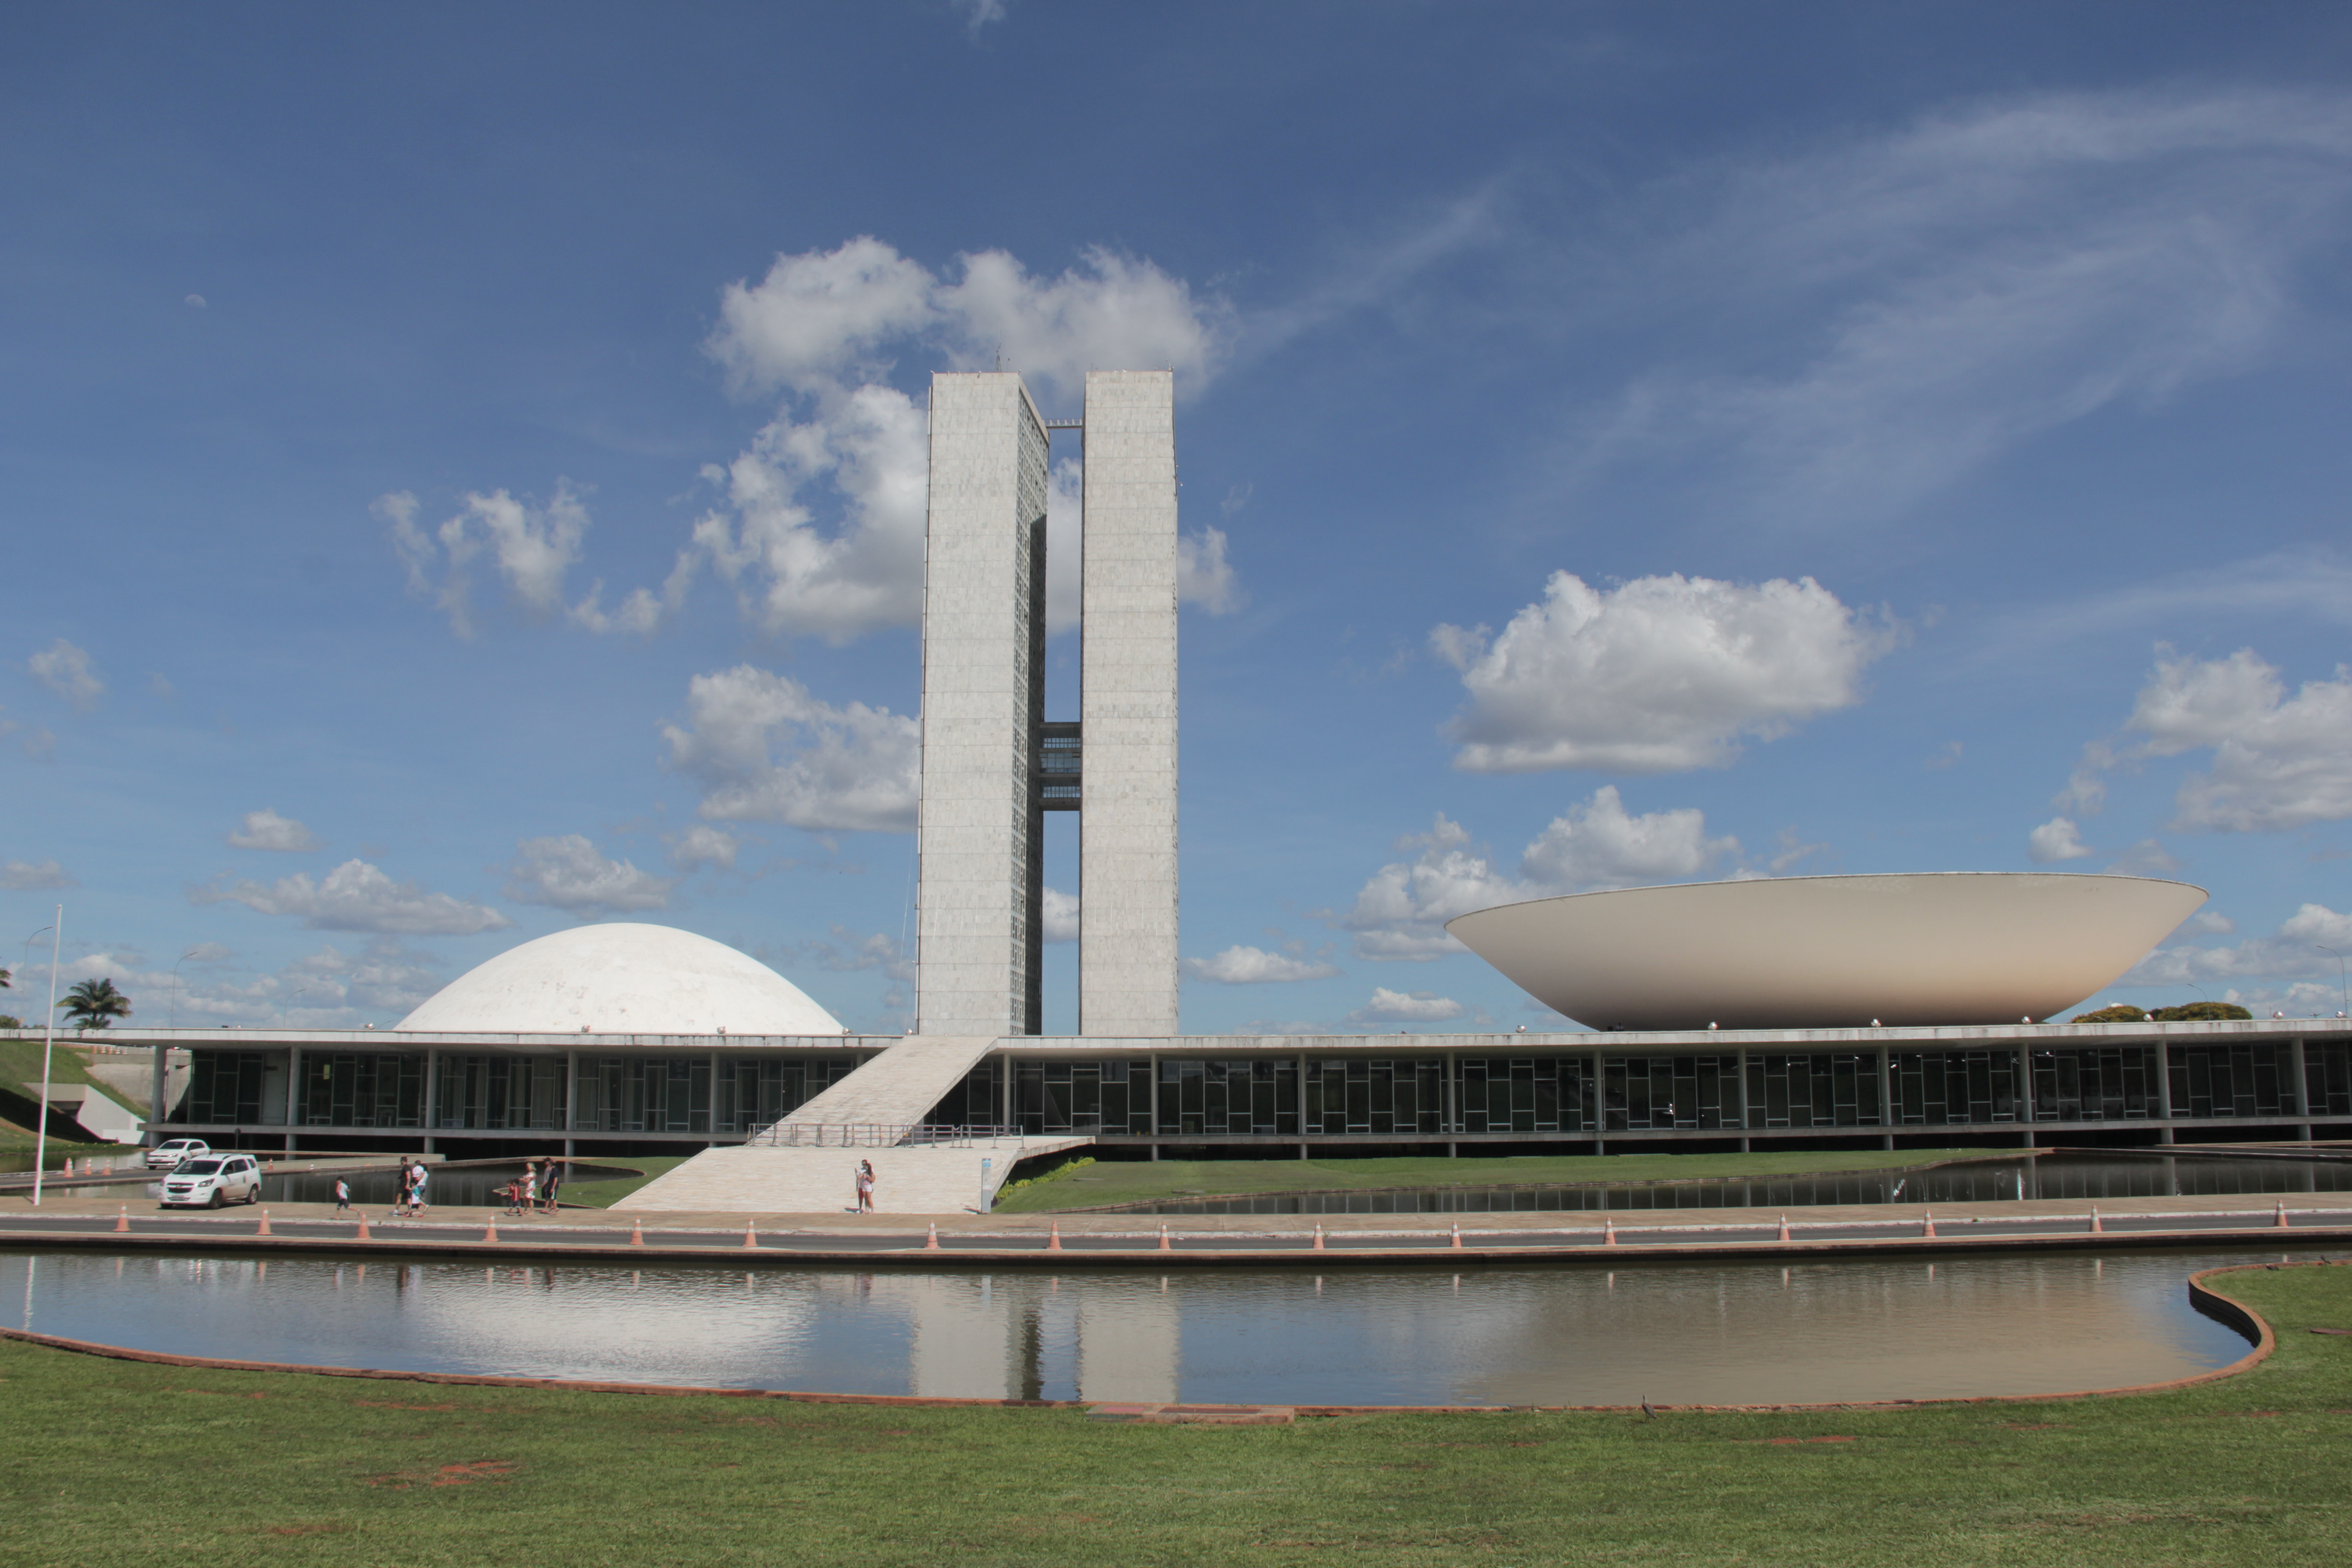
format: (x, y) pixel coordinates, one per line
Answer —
(865, 1186)
(416, 1189)
(529, 1195)
(549, 1181)
(342, 1195)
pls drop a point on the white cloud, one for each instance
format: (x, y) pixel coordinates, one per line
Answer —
(195, 301)
(65, 670)
(1203, 576)
(2146, 858)
(703, 845)
(2056, 839)
(1389, 1006)
(1402, 910)
(2279, 762)
(2292, 953)
(848, 953)
(1256, 966)
(979, 14)
(1060, 915)
(1976, 278)
(567, 873)
(264, 829)
(356, 896)
(764, 750)
(2211, 923)
(329, 989)
(26, 875)
(819, 526)
(1657, 674)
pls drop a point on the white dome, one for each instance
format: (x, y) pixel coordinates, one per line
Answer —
(621, 979)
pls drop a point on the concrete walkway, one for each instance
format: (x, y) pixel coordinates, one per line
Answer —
(921, 1179)
(899, 1087)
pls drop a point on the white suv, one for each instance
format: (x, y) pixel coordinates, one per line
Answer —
(163, 1156)
(215, 1180)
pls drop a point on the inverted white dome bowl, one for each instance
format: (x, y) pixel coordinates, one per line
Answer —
(1794, 953)
(621, 979)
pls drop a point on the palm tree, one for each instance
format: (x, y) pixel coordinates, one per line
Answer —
(94, 1004)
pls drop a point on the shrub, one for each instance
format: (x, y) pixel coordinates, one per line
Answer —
(2199, 1013)
(2120, 1013)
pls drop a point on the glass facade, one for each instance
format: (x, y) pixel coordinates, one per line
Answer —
(499, 1093)
(1662, 1092)
(1523, 1094)
(1836, 1089)
(225, 1086)
(1211, 1098)
(2116, 1085)
(348, 1090)
(2231, 1080)
(756, 1093)
(1943, 1087)
(2327, 1079)
(1376, 1095)
(1082, 1097)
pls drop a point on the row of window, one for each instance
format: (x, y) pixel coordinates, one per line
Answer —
(1285, 1096)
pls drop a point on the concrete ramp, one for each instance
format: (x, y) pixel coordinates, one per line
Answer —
(897, 1089)
(915, 1179)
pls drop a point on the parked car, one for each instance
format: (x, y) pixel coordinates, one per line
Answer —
(215, 1180)
(163, 1156)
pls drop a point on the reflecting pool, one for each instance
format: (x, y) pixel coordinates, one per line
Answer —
(2089, 1176)
(1673, 1332)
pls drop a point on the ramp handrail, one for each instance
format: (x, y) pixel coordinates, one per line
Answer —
(790, 1134)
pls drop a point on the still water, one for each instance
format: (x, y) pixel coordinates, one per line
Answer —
(1676, 1333)
(2088, 1176)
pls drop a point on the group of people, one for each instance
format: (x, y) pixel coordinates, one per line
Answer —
(534, 1191)
(409, 1195)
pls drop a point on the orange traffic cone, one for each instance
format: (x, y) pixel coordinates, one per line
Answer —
(751, 1236)
(1607, 1231)
(2281, 1214)
(1784, 1227)
(636, 1233)
(490, 1231)
(1163, 1240)
(1053, 1237)
(1930, 1231)
(931, 1242)
(363, 1229)
(1318, 1238)
(2096, 1228)
(265, 1224)
(1456, 1242)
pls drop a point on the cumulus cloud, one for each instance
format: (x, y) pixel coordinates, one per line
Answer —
(1060, 915)
(1402, 910)
(29, 876)
(2056, 839)
(329, 989)
(703, 845)
(1256, 966)
(818, 524)
(568, 873)
(2278, 762)
(1654, 675)
(1967, 282)
(264, 829)
(65, 670)
(2293, 952)
(1389, 1006)
(357, 897)
(764, 750)
(1203, 576)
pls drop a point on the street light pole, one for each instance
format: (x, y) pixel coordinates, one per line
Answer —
(48, 1047)
(175, 987)
(2343, 990)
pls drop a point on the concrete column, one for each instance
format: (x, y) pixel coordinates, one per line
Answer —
(1452, 1122)
(571, 1095)
(2302, 1101)
(160, 1076)
(1155, 1105)
(2025, 1087)
(293, 1094)
(2164, 1089)
(983, 592)
(1126, 818)
(432, 1094)
(1886, 1092)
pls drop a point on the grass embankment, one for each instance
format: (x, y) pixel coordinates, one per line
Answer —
(316, 1470)
(604, 1194)
(1107, 1182)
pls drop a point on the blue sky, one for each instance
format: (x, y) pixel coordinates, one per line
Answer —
(460, 470)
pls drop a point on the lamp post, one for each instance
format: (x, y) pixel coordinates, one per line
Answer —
(49, 1046)
(2343, 990)
(175, 987)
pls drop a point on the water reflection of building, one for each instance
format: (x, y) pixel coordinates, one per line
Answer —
(1027, 1337)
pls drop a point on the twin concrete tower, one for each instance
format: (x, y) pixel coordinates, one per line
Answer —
(992, 763)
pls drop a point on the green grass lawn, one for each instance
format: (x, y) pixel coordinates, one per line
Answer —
(120, 1462)
(604, 1194)
(1107, 1182)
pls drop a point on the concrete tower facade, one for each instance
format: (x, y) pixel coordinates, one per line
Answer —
(993, 765)
(1127, 822)
(977, 905)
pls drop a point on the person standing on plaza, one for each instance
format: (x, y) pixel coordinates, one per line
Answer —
(342, 1195)
(549, 1181)
(529, 1196)
(416, 1189)
(865, 1186)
